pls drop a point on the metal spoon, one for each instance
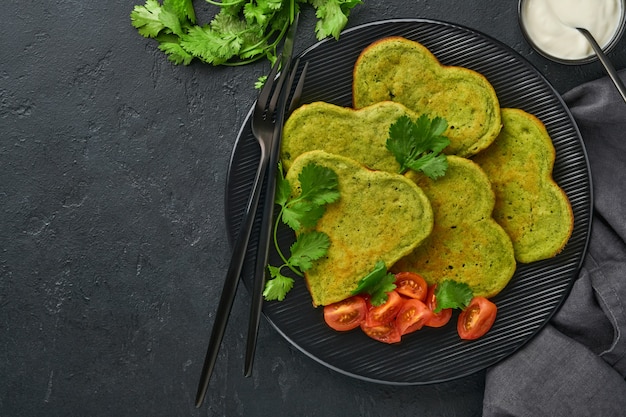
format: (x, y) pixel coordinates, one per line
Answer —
(605, 61)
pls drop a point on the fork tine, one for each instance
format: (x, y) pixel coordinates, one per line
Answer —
(297, 94)
(276, 95)
(264, 95)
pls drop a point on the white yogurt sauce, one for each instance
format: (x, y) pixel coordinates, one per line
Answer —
(551, 24)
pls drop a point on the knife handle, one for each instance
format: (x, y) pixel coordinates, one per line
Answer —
(232, 279)
(256, 303)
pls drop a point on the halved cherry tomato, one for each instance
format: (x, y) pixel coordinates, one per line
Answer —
(412, 316)
(347, 314)
(384, 313)
(476, 319)
(437, 319)
(411, 285)
(386, 333)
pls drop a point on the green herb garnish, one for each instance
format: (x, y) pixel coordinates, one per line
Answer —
(452, 294)
(418, 145)
(241, 32)
(376, 284)
(318, 187)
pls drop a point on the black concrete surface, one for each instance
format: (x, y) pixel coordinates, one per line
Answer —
(113, 243)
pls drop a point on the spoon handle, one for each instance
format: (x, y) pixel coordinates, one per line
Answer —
(605, 61)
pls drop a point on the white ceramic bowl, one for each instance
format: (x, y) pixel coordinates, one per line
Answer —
(573, 61)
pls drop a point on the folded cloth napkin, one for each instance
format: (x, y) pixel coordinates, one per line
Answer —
(576, 365)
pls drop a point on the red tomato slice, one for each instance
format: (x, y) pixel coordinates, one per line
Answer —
(411, 285)
(346, 314)
(384, 313)
(386, 333)
(437, 319)
(476, 319)
(412, 316)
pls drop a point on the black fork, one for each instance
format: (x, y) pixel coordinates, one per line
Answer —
(263, 125)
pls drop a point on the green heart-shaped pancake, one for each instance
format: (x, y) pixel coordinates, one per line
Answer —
(530, 206)
(380, 216)
(357, 134)
(466, 244)
(406, 72)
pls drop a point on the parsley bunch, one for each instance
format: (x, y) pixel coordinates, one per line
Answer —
(418, 145)
(318, 187)
(243, 31)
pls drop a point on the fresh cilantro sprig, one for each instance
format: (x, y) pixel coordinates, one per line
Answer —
(418, 145)
(241, 32)
(376, 284)
(452, 294)
(318, 187)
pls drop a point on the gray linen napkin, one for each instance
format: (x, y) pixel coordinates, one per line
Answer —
(577, 364)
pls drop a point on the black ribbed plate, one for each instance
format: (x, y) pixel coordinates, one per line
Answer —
(536, 290)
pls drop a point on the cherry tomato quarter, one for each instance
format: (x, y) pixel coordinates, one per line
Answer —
(476, 319)
(384, 313)
(412, 316)
(441, 318)
(411, 285)
(385, 333)
(347, 314)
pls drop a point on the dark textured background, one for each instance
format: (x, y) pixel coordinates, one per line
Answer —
(113, 244)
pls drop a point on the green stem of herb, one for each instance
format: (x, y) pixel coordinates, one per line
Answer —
(264, 40)
(280, 253)
(222, 4)
(244, 62)
(269, 47)
(275, 233)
